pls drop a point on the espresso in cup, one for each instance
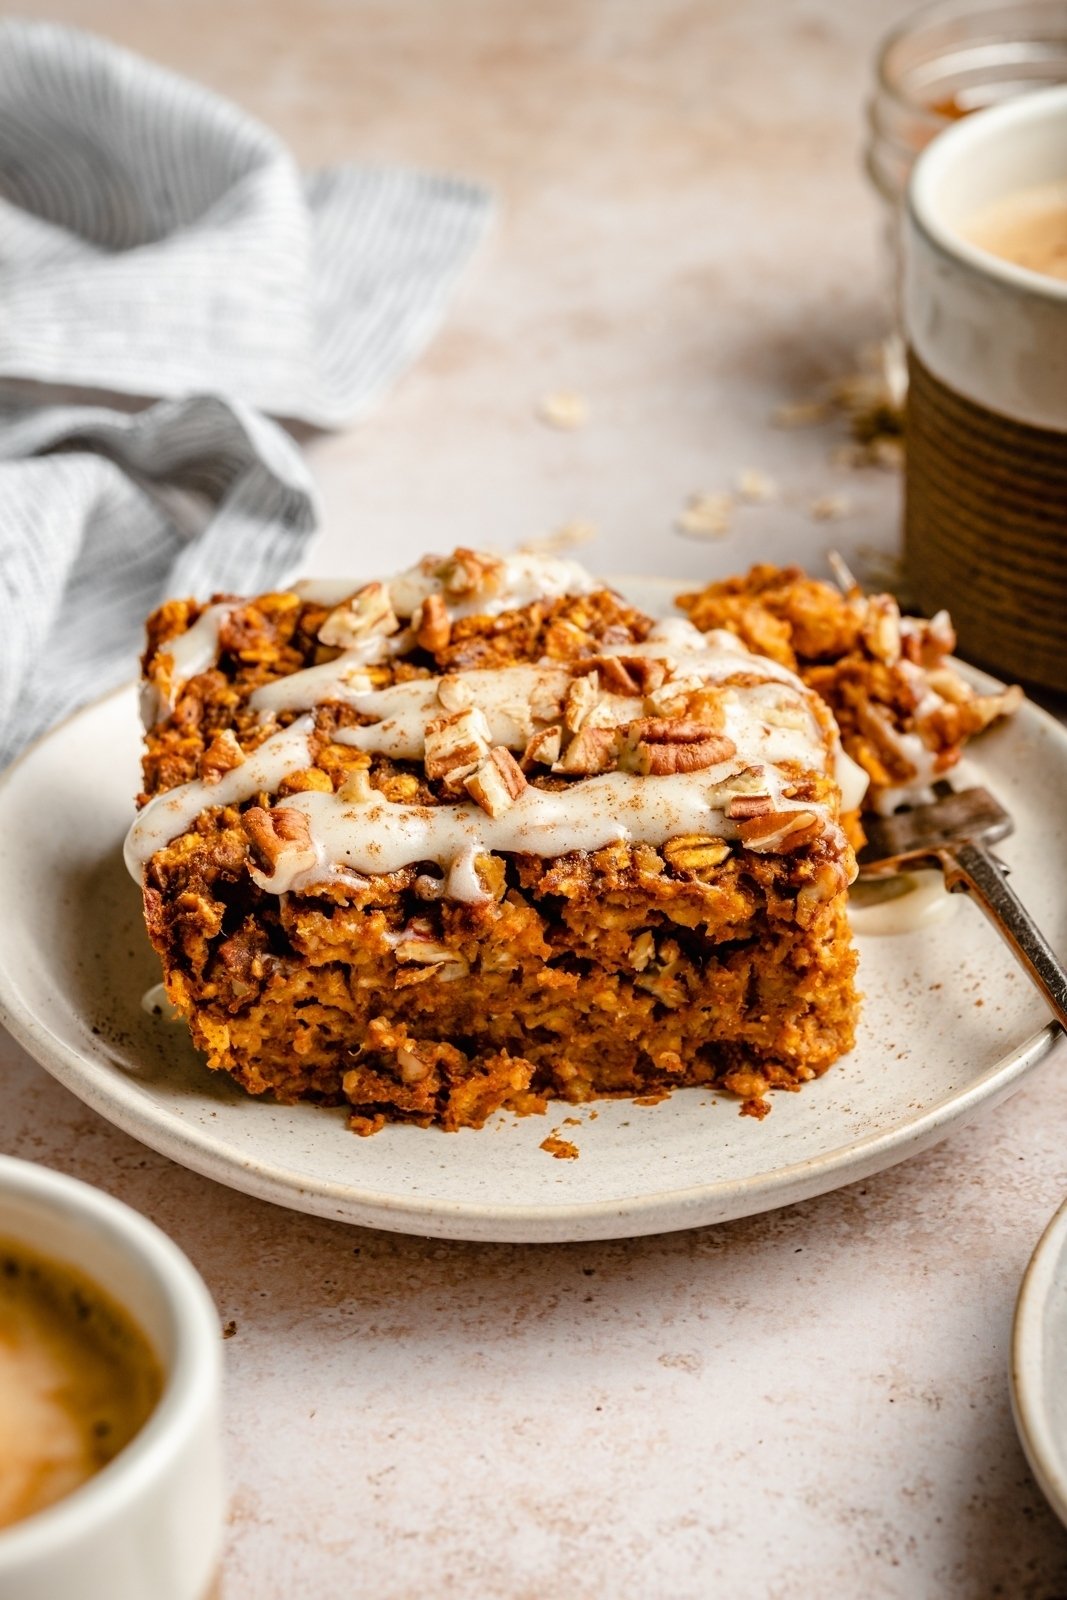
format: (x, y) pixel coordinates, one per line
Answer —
(1027, 228)
(78, 1380)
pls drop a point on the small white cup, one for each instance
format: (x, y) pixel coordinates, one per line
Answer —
(148, 1526)
(986, 462)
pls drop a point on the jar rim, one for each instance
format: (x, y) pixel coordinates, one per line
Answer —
(923, 18)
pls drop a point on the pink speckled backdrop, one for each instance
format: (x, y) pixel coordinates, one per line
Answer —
(811, 1402)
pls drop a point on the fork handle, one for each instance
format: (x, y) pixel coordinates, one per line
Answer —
(970, 868)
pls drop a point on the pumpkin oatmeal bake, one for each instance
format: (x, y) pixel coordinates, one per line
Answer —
(485, 834)
(903, 710)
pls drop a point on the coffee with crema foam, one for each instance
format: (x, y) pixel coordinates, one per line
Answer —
(78, 1379)
(1028, 228)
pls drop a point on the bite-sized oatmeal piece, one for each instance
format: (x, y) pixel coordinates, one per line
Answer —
(483, 835)
(903, 709)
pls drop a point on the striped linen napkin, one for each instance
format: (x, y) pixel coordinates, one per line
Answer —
(158, 245)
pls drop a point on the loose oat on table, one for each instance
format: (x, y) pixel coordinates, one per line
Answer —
(755, 487)
(830, 508)
(569, 536)
(565, 409)
(706, 516)
(801, 413)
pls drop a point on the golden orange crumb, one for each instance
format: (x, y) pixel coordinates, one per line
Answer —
(562, 1149)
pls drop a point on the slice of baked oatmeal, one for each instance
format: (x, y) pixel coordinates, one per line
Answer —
(486, 834)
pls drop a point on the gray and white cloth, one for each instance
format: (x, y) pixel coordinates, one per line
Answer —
(159, 245)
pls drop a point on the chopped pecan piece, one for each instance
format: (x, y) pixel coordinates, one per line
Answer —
(582, 696)
(470, 572)
(950, 686)
(669, 696)
(829, 879)
(647, 672)
(612, 672)
(660, 760)
(546, 698)
(986, 708)
(667, 730)
(788, 713)
(369, 611)
(456, 744)
(623, 674)
(544, 747)
(778, 832)
(281, 841)
(658, 746)
(926, 641)
(742, 806)
(412, 1068)
(432, 624)
(881, 628)
(221, 756)
(497, 783)
(591, 750)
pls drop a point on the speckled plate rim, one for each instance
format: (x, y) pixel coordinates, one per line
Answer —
(118, 1102)
(665, 1212)
(1044, 1447)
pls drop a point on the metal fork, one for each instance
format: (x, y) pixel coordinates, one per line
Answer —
(954, 833)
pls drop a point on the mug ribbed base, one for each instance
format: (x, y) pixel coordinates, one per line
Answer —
(985, 529)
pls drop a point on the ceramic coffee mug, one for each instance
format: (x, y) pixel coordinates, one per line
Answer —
(149, 1525)
(986, 480)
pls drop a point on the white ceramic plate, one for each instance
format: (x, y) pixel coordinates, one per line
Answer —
(949, 1024)
(1039, 1362)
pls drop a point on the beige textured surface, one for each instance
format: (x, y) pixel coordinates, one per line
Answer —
(813, 1402)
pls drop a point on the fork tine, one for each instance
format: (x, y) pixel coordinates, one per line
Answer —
(955, 815)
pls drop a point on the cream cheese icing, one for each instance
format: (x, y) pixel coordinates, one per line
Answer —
(188, 654)
(768, 716)
(380, 836)
(522, 578)
(516, 580)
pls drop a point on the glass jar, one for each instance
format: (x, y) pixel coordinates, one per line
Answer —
(950, 59)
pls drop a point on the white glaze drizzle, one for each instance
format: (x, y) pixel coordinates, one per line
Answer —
(380, 836)
(523, 579)
(852, 779)
(186, 655)
(197, 648)
(327, 591)
(502, 694)
(771, 723)
(918, 790)
(341, 680)
(713, 656)
(175, 810)
(505, 694)
(344, 679)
